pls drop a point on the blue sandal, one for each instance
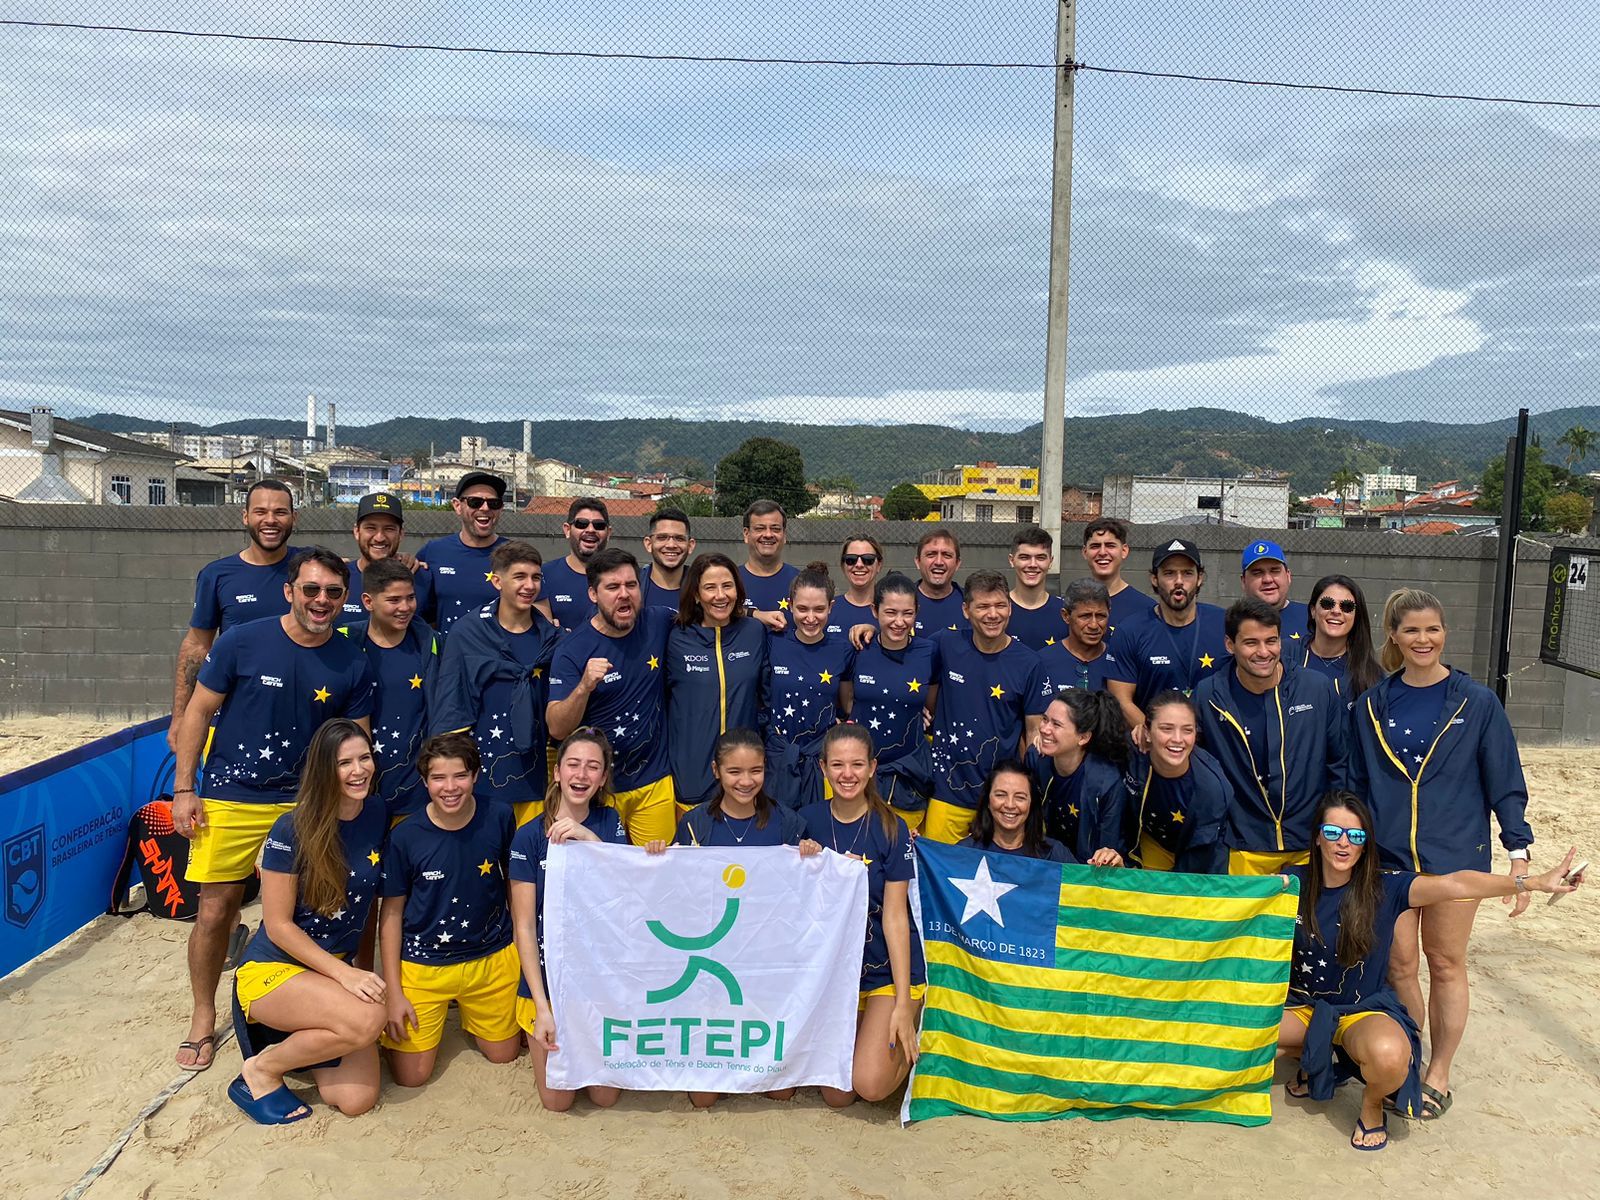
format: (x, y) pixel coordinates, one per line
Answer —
(275, 1108)
(1361, 1130)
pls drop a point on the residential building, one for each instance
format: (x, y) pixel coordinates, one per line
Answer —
(980, 477)
(1387, 484)
(351, 479)
(46, 460)
(1258, 503)
(990, 507)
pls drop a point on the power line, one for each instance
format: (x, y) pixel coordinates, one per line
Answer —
(752, 60)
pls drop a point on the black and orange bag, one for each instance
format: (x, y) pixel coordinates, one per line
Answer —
(161, 853)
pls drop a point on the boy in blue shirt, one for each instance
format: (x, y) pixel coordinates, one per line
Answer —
(1037, 618)
(463, 580)
(270, 684)
(241, 587)
(990, 698)
(1105, 549)
(445, 925)
(566, 583)
(610, 673)
(493, 681)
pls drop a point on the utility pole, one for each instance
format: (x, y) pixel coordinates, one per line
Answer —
(1055, 344)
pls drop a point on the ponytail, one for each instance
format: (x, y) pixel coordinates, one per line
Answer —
(813, 575)
(1100, 716)
(876, 804)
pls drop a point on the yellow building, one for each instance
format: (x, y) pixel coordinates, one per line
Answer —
(971, 478)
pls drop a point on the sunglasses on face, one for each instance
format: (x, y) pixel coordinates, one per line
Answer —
(312, 590)
(595, 523)
(1329, 603)
(864, 560)
(1332, 833)
(492, 503)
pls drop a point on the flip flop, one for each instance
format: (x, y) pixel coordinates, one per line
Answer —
(199, 1048)
(1299, 1081)
(1435, 1103)
(280, 1107)
(1362, 1130)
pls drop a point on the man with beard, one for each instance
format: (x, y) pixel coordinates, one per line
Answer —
(463, 581)
(1279, 733)
(1081, 659)
(669, 545)
(608, 673)
(566, 584)
(1179, 642)
(270, 684)
(939, 598)
(380, 522)
(1264, 574)
(241, 587)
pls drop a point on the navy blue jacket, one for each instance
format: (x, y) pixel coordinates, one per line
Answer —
(713, 685)
(1083, 811)
(479, 651)
(1437, 820)
(1204, 846)
(1307, 748)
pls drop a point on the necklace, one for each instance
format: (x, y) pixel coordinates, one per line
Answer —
(834, 823)
(749, 823)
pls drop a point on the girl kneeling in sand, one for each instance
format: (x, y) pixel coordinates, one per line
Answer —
(298, 1001)
(858, 822)
(1342, 1018)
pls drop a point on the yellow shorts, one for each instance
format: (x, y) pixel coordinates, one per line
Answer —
(1303, 1011)
(1153, 856)
(526, 810)
(947, 823)
(1265, 862)
(527, 1013)
(254, 980)
(226, 849)
(913, 820)
(649, 813)
(918, 990)
(484, 989)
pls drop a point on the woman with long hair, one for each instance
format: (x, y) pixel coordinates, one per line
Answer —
(1178, 795)
(892, 690)
(859, 823)
(861, 560)
(1342, 1019)
(741, 813)
(576, 809)
(806, 687)
(1009, 822)
(716, 661)
(299, 1002)
(1340, 645)
(1435, 756)
(1077, 762)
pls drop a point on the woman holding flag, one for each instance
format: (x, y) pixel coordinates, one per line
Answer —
(1342, 1018)
(858, 823)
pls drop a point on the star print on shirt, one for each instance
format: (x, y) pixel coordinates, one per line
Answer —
(416, 682)
(488, 576)
(654, 662)
(914, 685)
(996, 692)
(321, 695)
(373, 858)
(1206, 660)
(1177, 816)
(826, 677)
(783, 606)
(1050, 641)
(485, 866)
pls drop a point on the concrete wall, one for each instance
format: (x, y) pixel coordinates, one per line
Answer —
(93, 599)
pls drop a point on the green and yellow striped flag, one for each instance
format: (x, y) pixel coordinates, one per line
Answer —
(1063, 991)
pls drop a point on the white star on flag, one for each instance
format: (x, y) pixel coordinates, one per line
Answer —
(983, 894)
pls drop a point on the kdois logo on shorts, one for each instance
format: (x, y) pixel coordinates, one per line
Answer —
(24, 864)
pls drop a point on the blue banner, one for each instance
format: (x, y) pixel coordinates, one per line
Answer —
(63, 831)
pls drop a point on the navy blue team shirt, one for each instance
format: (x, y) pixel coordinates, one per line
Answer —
(454, 882)
(230, 592)
(462, 579)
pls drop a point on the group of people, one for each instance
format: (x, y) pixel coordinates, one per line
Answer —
(424, 728)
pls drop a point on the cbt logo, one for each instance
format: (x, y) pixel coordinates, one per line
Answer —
(24, 875)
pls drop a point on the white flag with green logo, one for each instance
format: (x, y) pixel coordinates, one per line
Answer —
(703, 969)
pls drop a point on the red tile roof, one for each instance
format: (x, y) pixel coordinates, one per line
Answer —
(1432, 528)
(556, 506)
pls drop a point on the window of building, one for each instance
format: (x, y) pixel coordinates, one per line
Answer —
(1027, 485)
(1024, 514)
(985, 512)
(158, 491)
(122, 489)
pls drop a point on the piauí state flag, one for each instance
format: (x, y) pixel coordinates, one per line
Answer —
(1060, 991)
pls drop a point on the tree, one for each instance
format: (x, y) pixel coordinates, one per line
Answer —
(1569, 512)
(691, 504)
(763, 468)
(1537, 487)
(1343, 480)
(906, 502)
(1579, 442)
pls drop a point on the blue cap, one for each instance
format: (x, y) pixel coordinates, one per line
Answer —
(1257, 551)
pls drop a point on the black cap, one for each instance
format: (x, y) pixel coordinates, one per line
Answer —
(1174, 548)
(380, 504)
(473, 478)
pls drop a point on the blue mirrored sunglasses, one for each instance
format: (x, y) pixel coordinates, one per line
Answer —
(1332, 833)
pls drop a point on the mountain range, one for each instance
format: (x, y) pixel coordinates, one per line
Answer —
(1202, 442)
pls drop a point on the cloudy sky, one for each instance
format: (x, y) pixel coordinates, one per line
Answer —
(200, 230)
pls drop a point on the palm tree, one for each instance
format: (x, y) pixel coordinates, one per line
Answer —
(1343, 480)
(1579, 442)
